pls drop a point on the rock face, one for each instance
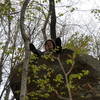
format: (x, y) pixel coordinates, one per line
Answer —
(45, 77)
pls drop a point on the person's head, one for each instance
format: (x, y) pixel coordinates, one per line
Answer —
(49, 45)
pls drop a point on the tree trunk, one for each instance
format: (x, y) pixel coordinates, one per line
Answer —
(53, 19)
(7, 93)
(27, 52)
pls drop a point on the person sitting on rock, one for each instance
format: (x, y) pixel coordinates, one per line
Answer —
(50, 46)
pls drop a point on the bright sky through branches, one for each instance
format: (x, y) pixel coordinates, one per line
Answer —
(82, 4)
(82, 14)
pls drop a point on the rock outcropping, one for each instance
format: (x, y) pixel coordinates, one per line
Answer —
(43, 73)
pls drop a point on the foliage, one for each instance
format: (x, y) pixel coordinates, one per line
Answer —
(49, 56)
(77, 76)
(79, 43)
(34, 20)
(42, 83)
(5, 9)
(44, 80)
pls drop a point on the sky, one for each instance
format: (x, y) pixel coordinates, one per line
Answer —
(84, 4)
(82, 15)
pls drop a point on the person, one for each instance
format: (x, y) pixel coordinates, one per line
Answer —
(50, 46)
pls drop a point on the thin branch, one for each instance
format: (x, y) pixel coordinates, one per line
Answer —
(66, 75)
(60, 97)
(44, 27)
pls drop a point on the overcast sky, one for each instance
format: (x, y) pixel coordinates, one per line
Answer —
(82, 15)
(83, 4)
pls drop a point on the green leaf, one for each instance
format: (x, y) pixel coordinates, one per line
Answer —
(69, 61)
(58, 78)
(61, 14)
(86, 72)
(38, 8)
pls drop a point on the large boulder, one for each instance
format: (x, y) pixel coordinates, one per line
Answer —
(45, 77)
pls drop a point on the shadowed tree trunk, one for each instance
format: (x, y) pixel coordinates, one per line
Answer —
(53, 19)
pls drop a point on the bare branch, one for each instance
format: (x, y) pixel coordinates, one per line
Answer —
(44, 27)
(61, 97)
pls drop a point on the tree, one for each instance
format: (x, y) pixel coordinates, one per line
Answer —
(53, 19)
(37, 18)
(27, 52)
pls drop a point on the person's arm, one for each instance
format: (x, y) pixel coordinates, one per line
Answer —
(34, 50)
(58, 45)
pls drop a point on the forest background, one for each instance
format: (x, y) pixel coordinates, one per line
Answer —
(77, 23)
